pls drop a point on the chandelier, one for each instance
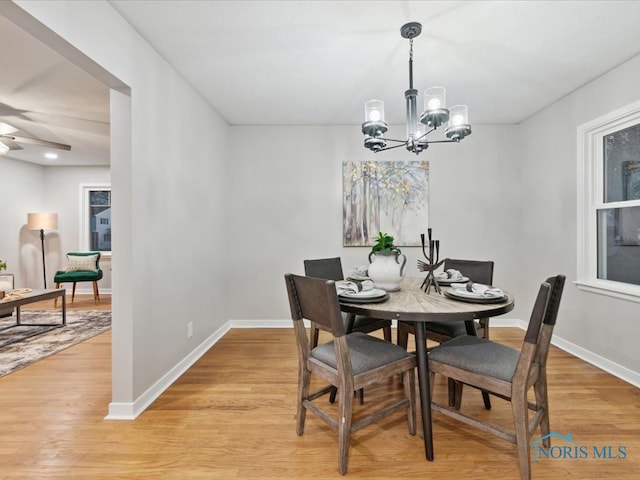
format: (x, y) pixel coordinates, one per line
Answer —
(435, 113)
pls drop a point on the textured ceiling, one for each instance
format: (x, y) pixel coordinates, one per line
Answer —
(316, 62)
(46, 97)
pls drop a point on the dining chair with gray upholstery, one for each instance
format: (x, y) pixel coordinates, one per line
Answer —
(331, 269)
(507, 373)
(477, 271)
(351, 361)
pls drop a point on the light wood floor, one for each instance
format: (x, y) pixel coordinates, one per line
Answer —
(232, 416)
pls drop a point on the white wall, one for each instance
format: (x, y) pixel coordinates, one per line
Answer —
(23, 190)
(605, 326)
(286, 206)
(173, 172)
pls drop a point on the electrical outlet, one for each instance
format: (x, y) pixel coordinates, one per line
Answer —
(189, 329)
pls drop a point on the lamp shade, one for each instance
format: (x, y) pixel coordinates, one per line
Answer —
(459, 116)
(374, 111)
(434, 99)
(42, 221)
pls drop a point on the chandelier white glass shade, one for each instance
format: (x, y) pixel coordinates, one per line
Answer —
(434, 115)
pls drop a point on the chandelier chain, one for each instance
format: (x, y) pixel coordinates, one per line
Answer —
(411, 63)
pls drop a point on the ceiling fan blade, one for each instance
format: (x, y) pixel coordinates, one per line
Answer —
(5, 128)
(35, 141)
(10, 143)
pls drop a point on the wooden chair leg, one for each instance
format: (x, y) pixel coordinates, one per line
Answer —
(542, 401)
(458, 395)
(96, 294)
(521, 422)
(484, 323)
(451, 391)
(73, 292)
(486, 400)
(345, 410)
(332, 395)
(402, 337)
(55, 300)
(387, 333)
(409, 384)
(432, 377)
(304, 381)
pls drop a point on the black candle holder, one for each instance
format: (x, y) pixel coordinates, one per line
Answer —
(433, 259)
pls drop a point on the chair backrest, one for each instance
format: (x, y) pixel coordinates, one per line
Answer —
(535, 347)
(316, 300)
(86, 254)
(550, 317)
(555, 286)
(478, 271)
(327, 268)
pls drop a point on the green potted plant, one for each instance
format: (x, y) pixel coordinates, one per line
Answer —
(3, 265)
(384, 245)
(385, 270)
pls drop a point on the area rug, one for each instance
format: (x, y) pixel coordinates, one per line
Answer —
(30, 344)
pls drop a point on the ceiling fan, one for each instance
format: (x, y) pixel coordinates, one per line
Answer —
(9, 141)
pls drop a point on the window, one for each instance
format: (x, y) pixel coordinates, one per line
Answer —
(95, 221)
(609, 204)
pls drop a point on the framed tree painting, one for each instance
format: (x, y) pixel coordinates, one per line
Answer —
(389, 197)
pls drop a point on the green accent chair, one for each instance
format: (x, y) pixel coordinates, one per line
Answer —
(82, 267)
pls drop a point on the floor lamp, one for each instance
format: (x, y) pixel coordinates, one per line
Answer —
(42, 222)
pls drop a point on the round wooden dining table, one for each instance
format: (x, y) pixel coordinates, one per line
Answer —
(412, 304)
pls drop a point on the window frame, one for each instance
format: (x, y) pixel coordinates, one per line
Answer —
(85, 225)
(590, 198)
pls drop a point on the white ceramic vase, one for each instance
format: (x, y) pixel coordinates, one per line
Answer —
(386, 271)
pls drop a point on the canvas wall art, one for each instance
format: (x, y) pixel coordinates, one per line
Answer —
(389, 197)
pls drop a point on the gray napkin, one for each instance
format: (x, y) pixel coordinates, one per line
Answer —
(449, 274)
(479, 289)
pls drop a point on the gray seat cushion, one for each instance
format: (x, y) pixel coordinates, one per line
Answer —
(478, 355)
(367, 353)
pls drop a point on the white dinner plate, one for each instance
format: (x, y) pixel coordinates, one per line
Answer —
(449, 281)
(374, 293)
(471, 296)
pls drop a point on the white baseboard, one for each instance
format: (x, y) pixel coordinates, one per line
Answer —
(508, 322)
(86, 291)
(261, 323)
(623, 373)
(129, 411)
